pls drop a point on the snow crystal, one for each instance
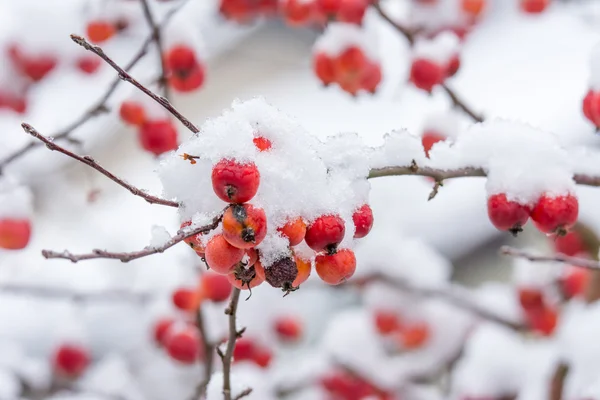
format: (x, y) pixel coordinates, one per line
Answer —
(440, 49)
(160, 236)
(339, 36)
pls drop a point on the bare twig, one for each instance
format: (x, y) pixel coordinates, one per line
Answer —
(234, 334)
(63, 294)
(459, 103)
(89, 161)
(128, 78)
(99, 107)
(157, 37)
(408, 34)
(576, 261)
(209, 349)
(558, 382)
(244, 393)
(126, 257)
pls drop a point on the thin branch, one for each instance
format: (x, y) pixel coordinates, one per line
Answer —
(459, 103)
(244, 393)
(455, 295)
(408, 34)
(128, 78)
(558, 382)
(234, 334)
(90, 162)
(99, 107)
(157, 37)
(62, 294)
(209, 349)
(147, 251)
(576, 261)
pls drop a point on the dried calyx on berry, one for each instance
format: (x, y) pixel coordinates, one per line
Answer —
(282, 274)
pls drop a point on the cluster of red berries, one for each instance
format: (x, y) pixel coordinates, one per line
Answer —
(14, 233)
(185, 73)
(343, 385)
(245, 11)
(406, 335)
(574, 280)
(427, 73)
(352, 70)
(70, 361)
(550, 214)
(541, 315)
(156, 136)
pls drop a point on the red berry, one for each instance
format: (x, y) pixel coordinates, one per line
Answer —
(430, 138)
(185, 72)
(570, 244)
(158, 137)
(14, 233)
(100, 31)
(297, 12)
(414, 336)
(244, 349)
(507, 215)
(534, 6)
(195, 242)
(187, 80)
(591, 107)
(222, 257)
(473, 7)
(324, 68)
(183, 346)
(452, 66)
(133, 113)
(555, 214)
(531, 298)
(304, 268)
(214, 287)
(336, 268)
(325, 233)
(329, 7)
(161, 329)
(262, 143)
(289, 329)
(386, 322)
(13, 102)
(352, 11)
(247, 277)
(89, 64)
(363, 221)
(262, 357)
(35, 67)
(186, 299)
(244, 226)
(235, 182)
(294, 230)
(574, 281)
(426, 74)
(71, 360)
(371, 77)
(543, 321)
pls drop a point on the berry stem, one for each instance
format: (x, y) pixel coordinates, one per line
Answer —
(575, 261)
(90, 162)
(97, 109)
(147, 251)
(128, 78)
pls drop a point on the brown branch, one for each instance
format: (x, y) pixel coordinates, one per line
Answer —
(558, 382)
(147, 251)
(128, 78)
(455, 295)
(407, 33)
(576, 261)
(90, 162)
(227, 357)
(157, 38)
(458, 103)
(244, 393)
(99, 107)
(209, 349)
(59, 294)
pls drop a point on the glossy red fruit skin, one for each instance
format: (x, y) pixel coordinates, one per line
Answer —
(430, 138)
(244, 349)
(363, 221)
(244, 226)
(186, 81)
(158, 137)
(325, 233)
(183, 346)
(507, 215)
(185, 72)
(71, 360)
(14, 233)
(133, 113)
(426, 74)
(89, 64)
(534, 6)
(336, 268)
(235, 182)
(185, 299)
(288, 329)
(161, 329)
(221, 256)
(555, 214)
(294, 231)
(195, 242)
(570, 244)
(215, 287)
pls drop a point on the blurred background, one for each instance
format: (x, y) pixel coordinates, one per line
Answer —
(526, 67)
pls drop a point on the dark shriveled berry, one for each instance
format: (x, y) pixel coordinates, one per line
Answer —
(282, 274)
